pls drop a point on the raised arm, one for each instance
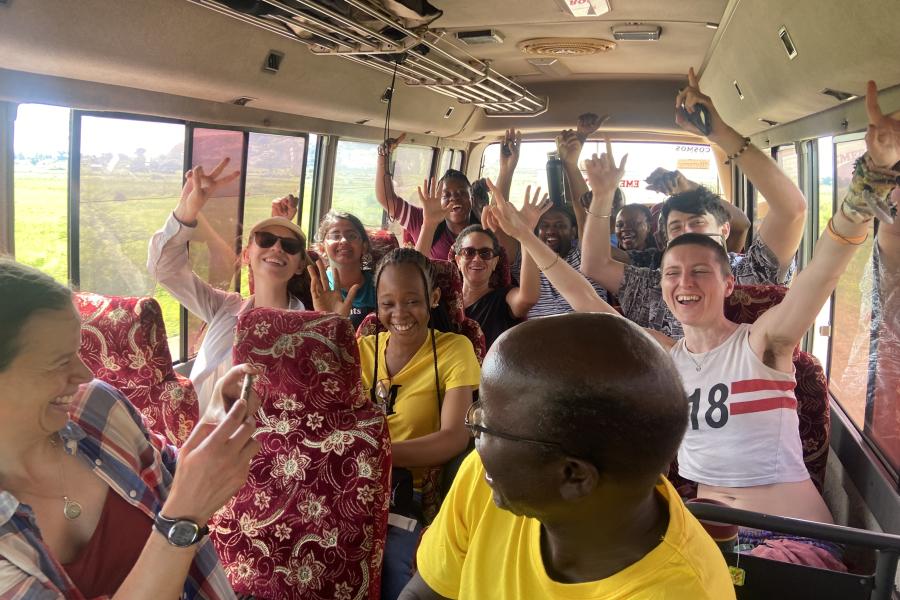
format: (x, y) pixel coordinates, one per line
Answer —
(510, 150)
(384, 187)
(596, 258)
(433, 214)
(787, 206)
(782, 327)
(569, 144)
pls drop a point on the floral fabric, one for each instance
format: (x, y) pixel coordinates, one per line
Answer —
(311, 521)
(123, 342)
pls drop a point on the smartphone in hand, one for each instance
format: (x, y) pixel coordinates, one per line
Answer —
(699, 118)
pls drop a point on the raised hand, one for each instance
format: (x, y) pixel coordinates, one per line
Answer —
(534, 207)
(688, 99)
(390, 144)
(588, 123)
(285, 207)
(434, 210)
(504, 214)
(669, 182)
(509, 149)
(198, 187)
(214, 461)
(569, 146)
(324, 297)
(883, 134)
(603, 174)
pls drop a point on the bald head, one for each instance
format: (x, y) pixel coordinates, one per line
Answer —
(595, 383)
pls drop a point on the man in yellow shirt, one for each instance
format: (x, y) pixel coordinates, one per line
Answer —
(564, 498)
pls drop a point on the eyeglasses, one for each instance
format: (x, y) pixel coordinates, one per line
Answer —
(337, 236)
(474, 420)
(290, 245)
(470, 252)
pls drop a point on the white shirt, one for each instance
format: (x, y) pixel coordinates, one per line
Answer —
(742, 420)
(169, 264)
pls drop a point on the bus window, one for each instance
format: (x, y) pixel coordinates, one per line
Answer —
(826, 202)
(274, 168)
(41, 172)
(446, 160)
(130, 174)
(309, 184)
(695, 161)
(354, 181)
(457, 161)
(786, 157)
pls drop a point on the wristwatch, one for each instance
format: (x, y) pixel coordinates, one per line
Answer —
(182, 533)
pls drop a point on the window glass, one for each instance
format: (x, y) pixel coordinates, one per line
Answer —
(457, 161)
(274, 165)
(848, 365)
(40, 184)
(130, 180)
(412, 166)
(214, 248)
(826, 199)
(787, 160)
(695, 161)
(354, 181)
(446, 161)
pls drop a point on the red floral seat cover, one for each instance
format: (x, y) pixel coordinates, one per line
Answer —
(311, 520)
(381, 241)
(123, 342)
(746, 305)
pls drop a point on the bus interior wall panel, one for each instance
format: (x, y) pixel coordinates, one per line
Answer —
(195, 53)
(834, 51)
(7, 215)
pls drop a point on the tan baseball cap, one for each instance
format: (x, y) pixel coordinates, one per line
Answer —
(281, 222)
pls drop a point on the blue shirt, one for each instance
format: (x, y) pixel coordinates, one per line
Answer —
(364, 302)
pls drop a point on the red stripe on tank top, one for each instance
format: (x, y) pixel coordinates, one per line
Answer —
(762, 405)
(758, 385)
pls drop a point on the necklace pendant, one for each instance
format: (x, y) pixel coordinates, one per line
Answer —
(71, 509)
(699, 367)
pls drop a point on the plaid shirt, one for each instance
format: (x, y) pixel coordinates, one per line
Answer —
(108, 433)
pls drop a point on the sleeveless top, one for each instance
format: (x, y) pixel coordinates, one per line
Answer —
(103, 564)
(742, 423)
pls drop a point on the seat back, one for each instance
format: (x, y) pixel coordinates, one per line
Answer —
(311, 520)
(381, 241)
(123, 342)
(448, 278)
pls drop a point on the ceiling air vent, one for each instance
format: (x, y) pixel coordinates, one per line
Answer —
(273, 62)
(788, 43)
(449, 112)
(566, 46)
(636, 32)
(479, 37)
(549, 65)
(839, 95)
(243, 100)
(769, 122)
(737, 88)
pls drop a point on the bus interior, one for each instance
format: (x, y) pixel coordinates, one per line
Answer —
(105, 105)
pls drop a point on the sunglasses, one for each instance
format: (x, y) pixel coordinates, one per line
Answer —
(470, 252)
(290, 245)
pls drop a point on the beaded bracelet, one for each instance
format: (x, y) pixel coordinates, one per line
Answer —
(854, 241)
(551, 265)
(732, 157)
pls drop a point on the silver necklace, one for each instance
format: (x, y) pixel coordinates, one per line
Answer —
(697, 363)
(71, 508)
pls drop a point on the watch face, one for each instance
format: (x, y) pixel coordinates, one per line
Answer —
(183, 533)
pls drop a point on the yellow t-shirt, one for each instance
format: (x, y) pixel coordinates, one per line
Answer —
(476, 550)
(412, 409)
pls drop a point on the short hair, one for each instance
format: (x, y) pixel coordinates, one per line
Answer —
(454, 175)
(604, 405)
(333, 216)
(695, 202)
(24, 291)
(644, 209)
(481, 194)
(565, 210)
(707, 241)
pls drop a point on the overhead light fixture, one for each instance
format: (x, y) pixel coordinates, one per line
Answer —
(712, 25)
(788, 43)
(636, 32)
(839, 95)
(585, 8)
(479, 37)
(550, 66)
(768, 122)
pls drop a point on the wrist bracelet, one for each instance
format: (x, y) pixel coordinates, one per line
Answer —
(733, 157)
(551, 265)
(595, 215)
(833, 234)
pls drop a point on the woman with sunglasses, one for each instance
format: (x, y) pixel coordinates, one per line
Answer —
(424, 380)
(275, 255)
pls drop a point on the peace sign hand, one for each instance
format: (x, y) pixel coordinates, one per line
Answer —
(883, 134)
(199, 187)
(603, 174)
(326, 299)
(504, 214)
(688, 99)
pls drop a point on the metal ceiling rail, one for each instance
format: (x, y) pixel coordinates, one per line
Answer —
(421, 57)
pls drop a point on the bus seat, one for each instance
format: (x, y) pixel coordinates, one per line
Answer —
(312, 518)
(758, 578)
(381, 241)
(123, 342)
(448, 278)
(746, 305)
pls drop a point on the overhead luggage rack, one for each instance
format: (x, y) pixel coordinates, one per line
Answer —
(367, 34)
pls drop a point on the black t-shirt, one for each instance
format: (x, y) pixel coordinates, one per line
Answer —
(493, 314)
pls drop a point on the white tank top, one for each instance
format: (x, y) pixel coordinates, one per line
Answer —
(742, 424)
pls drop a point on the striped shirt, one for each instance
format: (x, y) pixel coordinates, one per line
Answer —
(108, 433)
(551, 302)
